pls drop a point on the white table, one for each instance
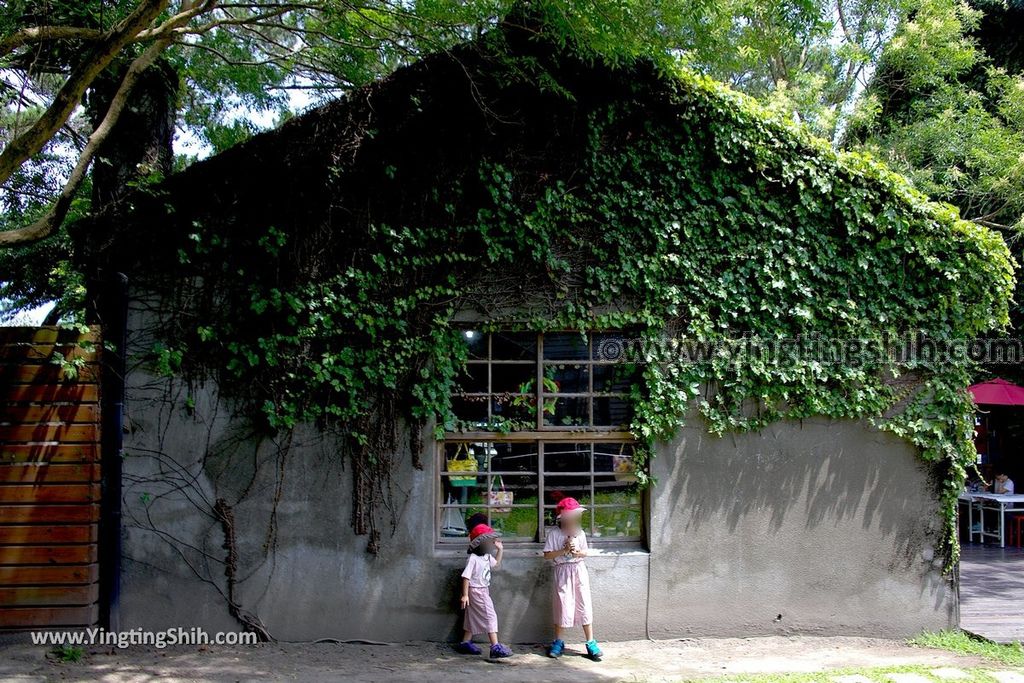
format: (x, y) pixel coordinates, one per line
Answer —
(998, 503)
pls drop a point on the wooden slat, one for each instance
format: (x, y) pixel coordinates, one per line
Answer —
(11, 555)
(46, 534)
(46, 393)
(41, 617)
(51, 453)
(43, 353)
(46, 335)
(32, 414)
(49, 514)
(46, 373)
(50, 493)
(49, 474)
(28, 596)
(68, 574)
(87, 433)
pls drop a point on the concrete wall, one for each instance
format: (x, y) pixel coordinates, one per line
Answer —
(816, 527)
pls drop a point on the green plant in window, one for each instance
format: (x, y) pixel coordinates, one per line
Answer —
(528, 398)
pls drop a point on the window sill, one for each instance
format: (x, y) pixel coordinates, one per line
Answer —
(535, 550)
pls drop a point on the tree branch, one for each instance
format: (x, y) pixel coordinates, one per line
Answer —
(32, 141)
(42, 34)
(56, 214)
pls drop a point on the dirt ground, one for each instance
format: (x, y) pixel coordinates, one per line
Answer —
(421, 662)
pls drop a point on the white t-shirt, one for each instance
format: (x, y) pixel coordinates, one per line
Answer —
(478, 570)
(556, 541)
(1007, 485)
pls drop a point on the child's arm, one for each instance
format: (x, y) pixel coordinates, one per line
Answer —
(464, 602)
(501, 551)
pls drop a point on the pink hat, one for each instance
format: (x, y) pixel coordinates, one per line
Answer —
(479, 534)
(568, 506)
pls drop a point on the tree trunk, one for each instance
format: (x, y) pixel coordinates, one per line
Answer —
(137, 149)
(139, 146)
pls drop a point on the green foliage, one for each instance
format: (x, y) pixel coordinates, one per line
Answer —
(941, 111)
(689, 210)
(965, 644)
(68, 653)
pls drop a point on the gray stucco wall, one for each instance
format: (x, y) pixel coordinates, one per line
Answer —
(818, 527)
(814, 527)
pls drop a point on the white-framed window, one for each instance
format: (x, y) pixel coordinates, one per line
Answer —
(540, 417)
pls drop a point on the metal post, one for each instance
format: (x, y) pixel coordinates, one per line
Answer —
(112, 310)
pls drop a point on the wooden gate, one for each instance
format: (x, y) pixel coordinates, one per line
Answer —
(49, 478)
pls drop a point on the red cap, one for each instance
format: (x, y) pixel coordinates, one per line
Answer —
(567, 506)
(480, 530)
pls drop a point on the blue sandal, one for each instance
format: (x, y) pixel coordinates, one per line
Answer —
(555, 651)
(593, 651)
(498, 651)
(467, 648)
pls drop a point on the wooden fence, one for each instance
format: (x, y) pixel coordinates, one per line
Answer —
(49, 478)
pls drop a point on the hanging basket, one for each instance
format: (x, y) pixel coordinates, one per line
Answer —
(462, 462)
(499, 500)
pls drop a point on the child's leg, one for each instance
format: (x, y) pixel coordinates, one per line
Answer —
(558, 631)
(588, 631)
(466, 636)
(493, 635)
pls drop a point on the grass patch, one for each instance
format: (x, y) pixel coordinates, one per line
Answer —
(964, 644)
(68, 653)
(877, 674)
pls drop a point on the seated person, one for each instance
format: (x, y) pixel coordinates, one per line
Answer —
(1002, 484)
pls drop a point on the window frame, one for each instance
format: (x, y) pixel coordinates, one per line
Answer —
(544, 434)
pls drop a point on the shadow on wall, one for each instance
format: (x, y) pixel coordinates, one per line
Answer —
(797, 477)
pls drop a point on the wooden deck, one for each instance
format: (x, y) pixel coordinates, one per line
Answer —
(992, 592)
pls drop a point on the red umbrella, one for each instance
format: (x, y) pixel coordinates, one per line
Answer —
(997, 392)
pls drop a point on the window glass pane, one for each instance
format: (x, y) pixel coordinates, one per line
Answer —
(476, 343)
(565, 346)
(457, 521)
(513, 457)
(617, 378)
(559, 486)
(622, 523)
(517, 378)
(566, 457)
(614, 457)
(518, 524)
(514, 346)
(612, 411)
(507, 490)
(471, 409)
(513, 413)
(566, 378)
(567, 412)
(473, 379)
(616, 489)
(463, 489)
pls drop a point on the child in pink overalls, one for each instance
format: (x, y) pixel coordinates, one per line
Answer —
(566, 545)
(485, 551)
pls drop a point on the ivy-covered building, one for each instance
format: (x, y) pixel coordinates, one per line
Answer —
(424, 302)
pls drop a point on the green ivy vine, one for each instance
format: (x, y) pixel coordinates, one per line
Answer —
(687, 211)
